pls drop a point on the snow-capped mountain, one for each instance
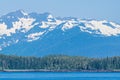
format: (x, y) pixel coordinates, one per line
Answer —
(24, 33)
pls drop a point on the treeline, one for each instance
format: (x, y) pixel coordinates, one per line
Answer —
(59, 62)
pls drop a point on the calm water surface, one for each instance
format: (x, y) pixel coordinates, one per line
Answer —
(59, 76)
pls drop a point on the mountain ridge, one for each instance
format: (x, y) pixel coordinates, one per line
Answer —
(46, 34)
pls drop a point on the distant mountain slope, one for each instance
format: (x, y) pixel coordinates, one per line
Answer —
(36, 34)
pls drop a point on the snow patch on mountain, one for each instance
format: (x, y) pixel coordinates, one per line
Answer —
(50, 17)
(3, 29)
(16, 41)
(24, 13)
(69, 24)
(98, 27)
(50, 24)
(25, 24)
(34, 36)
(8, 43)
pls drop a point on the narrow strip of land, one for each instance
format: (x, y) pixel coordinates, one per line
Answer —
(58, 63)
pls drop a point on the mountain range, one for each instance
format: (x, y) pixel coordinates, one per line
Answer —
(34, 34)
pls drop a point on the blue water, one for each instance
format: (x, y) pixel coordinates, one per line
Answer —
(59, 76)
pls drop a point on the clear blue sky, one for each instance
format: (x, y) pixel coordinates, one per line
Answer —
(95, 9)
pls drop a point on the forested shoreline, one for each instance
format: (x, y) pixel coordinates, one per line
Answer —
(58, 63)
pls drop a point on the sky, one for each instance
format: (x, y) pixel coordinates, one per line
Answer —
(84, 9)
